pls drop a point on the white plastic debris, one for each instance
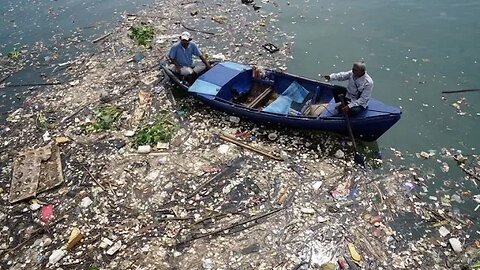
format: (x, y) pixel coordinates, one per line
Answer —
(46, 137)
(317, 185)
(144, 149)
(163, 146)
(35, 206)
(476, 198)
(456, 198)
(106, 242)
(56, 256)
(443, 231)
(321, 219)
(272, 136)
(153, 175)
(115, 248)
(456, 245)
(307, 210)
(223, 149)
(207, 263)
(219, 56)
(86, 202)
(339, 154)
(129, 133)
(234, 119)
(424, 155)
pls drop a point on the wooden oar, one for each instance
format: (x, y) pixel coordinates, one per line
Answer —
(358, 158)
(460, 91)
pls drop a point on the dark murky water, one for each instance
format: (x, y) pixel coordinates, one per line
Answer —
(52, 32)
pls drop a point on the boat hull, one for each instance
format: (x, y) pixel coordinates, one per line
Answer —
(369, 129)
(369, 126)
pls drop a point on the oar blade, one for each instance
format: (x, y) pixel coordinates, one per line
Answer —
(359, 159)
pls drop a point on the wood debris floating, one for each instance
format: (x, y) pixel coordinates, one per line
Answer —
(230, 138)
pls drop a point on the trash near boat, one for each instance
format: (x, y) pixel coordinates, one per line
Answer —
(275, 97)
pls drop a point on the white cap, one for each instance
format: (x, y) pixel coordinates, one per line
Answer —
(185, 36)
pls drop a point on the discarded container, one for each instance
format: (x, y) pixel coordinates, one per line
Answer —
(144, 149)
(353, 253)
(56, 256)
(272, 136)
(114, 248)
(443, 231)
(456, 244)
(270, 47)
(105, 243)
(129, 133)
(339, 154)
(74, 238)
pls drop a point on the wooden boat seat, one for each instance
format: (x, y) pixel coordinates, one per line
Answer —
(316, 109)
(330, 110)
(260, 98)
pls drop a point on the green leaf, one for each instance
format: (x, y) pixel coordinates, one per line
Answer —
(143, 34)
(105, 117)
(159, 131)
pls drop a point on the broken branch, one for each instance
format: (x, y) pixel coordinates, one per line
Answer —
(469, 172)
(240, 223)
(4, 78)
(33, 84)
(93, 178)
(33, 234)
(195, 30)
(229, 170)
(102, 37)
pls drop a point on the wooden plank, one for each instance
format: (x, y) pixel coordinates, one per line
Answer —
(260, 97)
(230, 138)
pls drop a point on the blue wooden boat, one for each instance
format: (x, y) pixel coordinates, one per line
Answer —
(281, 98)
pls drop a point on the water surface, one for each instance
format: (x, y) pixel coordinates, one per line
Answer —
(414, 50)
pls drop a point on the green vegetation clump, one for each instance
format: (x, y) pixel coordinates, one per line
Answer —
(159, 131)
(104, 118)
(143, 34)
(14, 54)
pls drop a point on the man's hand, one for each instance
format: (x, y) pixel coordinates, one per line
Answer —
(178, 68)
(208, 66)
(327, 77)
(345, 109)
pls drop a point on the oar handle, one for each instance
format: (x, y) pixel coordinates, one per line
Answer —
(349, 125)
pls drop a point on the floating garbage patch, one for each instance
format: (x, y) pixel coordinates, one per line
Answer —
(114, 169)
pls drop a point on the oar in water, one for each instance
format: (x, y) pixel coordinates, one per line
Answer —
(358, 158)
(460, 91)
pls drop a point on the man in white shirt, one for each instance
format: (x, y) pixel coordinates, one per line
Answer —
(358, 91)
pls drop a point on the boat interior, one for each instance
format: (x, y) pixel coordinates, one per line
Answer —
(280, 93)
(277, 93)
